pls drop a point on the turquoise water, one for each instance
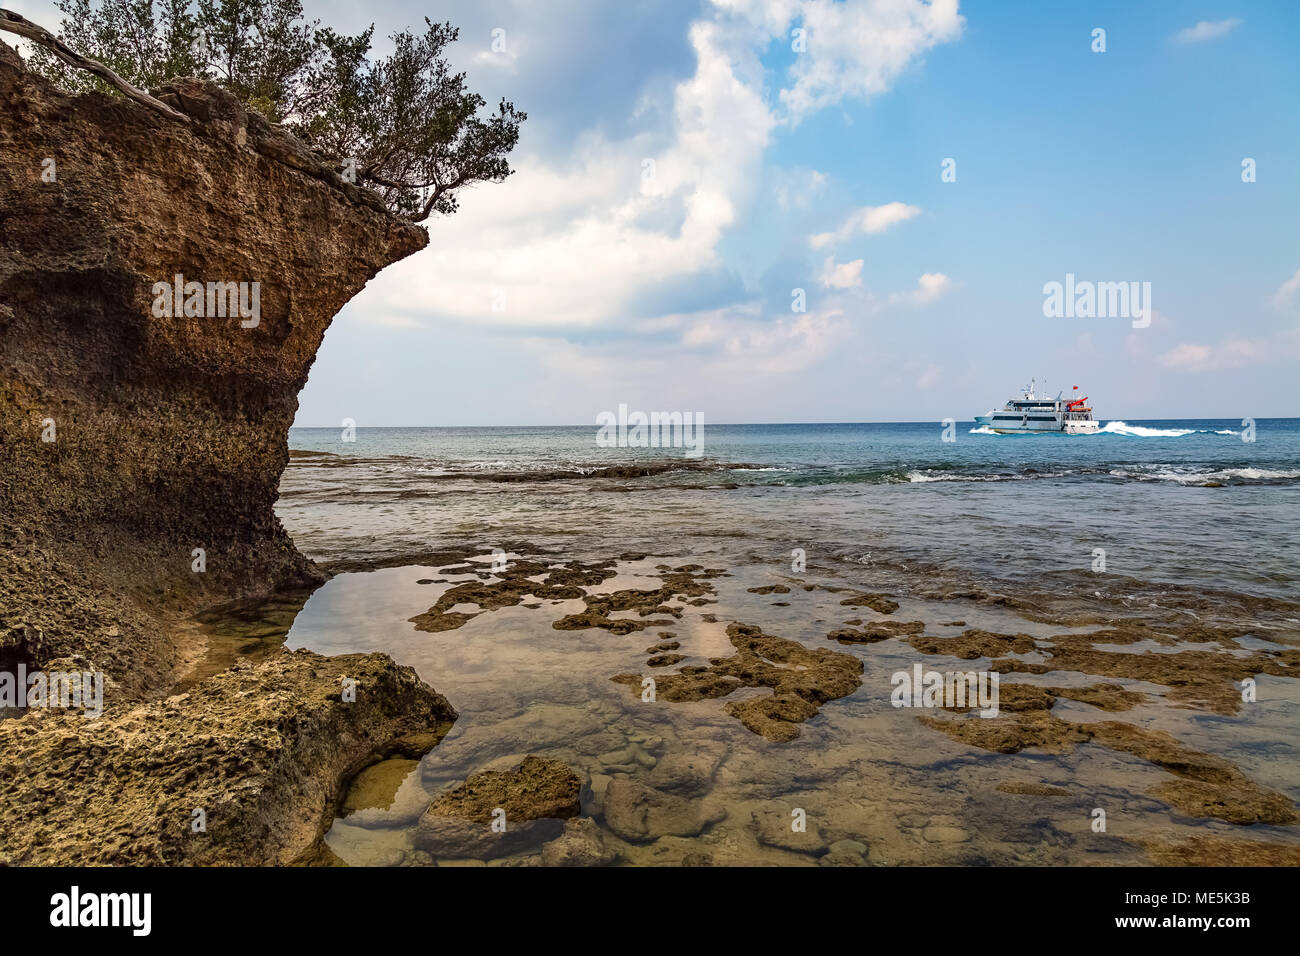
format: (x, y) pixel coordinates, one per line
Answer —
(896, 496)
(890, 452)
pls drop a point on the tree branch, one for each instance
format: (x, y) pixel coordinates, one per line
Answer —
(438, 193)
(13, 23)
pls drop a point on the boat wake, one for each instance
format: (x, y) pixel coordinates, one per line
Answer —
(1126, 430)
(1141, 431)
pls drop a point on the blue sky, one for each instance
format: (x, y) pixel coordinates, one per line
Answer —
(580, 284)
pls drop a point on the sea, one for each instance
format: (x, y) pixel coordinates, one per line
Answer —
(1184, 501)
(1144, 579)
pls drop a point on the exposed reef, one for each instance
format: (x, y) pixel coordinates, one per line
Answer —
(1203, 785)
(495, 812)
(514, 583)
(801, 680)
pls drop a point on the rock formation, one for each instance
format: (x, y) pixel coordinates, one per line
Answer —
(129, 439)
(243, 769)
(141, 447)
(527, 803)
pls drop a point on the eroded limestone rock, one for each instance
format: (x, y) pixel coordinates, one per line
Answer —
(536, 796)
(263, 751)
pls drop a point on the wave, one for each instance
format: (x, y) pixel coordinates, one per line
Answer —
(397, 475)
(1190, 476)
(492, 471)
(1124, 429)
(1141, 431)
(1177, 474)
(925, 477)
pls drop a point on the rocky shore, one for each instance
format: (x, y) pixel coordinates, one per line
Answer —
(246, 768)
(140, 456)
(682, 706)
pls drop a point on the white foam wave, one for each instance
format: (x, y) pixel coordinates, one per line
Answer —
(921, 477)
(1254, 474)
(1188, 477)
(1141, 431)
(1125, 429)
(1181, 475)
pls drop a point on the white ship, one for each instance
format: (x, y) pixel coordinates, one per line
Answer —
(1031, 414)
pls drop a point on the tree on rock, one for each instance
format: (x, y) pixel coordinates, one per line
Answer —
(404, 125)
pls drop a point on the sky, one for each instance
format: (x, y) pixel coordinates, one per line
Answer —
(687, 165)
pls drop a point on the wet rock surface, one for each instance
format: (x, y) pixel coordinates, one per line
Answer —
(875, 631)
(513, 583)
(688, 584)
(781, 829)
(877, 602)
(263, 751)
(802, 680)
(530, 800)
(640, 814)
(1204, 785)
(581, 844)
(678, 779)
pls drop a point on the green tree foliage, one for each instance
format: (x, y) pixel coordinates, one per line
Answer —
(405, 123)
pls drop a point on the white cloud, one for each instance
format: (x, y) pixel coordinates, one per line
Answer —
(929, 288)
(868, 220)
(1141, 343)
(395, 321)
(722, 357)
(1188, 357)
(1206, 30)
(505, 57)
(795, 188)
(785, 345)
(574, 241)
(1232, 353)
(1286, 291)
(846, 275)
(570, 246)
(855, 50)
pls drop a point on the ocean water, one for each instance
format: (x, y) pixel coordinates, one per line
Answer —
(1167, 501)
(1178, 540)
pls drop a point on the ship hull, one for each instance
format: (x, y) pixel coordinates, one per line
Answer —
(1031, 415)
(1039, 427)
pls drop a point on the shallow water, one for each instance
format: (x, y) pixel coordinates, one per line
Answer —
(861, 770)
(1001, 533)
(991, 505)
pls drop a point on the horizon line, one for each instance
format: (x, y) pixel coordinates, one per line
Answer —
(922, 421)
